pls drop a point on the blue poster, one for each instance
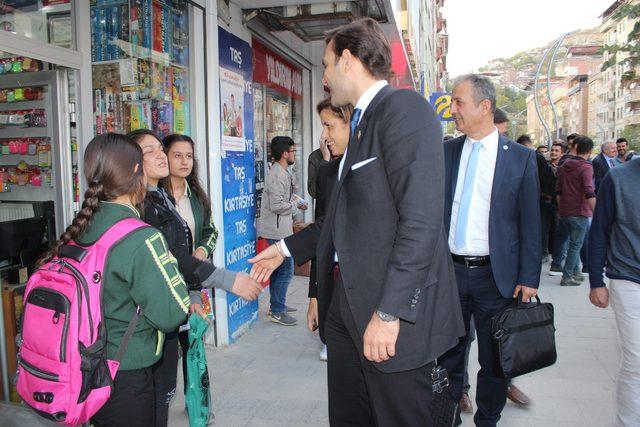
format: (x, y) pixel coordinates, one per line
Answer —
(238, 170)
(441, 103)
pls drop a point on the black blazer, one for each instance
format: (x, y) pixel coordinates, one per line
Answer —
(514, 216)
(600, 169)
(385, 221)
(326, 180)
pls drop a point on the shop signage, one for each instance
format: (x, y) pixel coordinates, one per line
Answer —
(276, 72)
(238, 192)
(441, 103)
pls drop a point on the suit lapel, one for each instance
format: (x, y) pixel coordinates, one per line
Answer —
(501, 164)
(354, 141)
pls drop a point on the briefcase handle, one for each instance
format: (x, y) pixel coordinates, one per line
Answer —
(519, 300)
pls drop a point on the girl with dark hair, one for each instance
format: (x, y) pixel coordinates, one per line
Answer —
(133, 276)
(160, 211)
(192, 201)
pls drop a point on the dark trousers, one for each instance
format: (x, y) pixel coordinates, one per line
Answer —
(165, 374)
(361, 395)
(131, 403)
(549, 218)
(480, 298)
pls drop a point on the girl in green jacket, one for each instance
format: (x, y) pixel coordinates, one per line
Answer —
(139, 271)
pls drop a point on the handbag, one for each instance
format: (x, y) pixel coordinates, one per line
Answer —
(525, 337)
(444, 407)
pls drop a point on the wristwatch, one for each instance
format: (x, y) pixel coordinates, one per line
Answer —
(385, 317)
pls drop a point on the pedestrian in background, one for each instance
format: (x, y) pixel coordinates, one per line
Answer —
(278, 206)
(622, 145)
(576, 201)
(614, 242)
(604, 162)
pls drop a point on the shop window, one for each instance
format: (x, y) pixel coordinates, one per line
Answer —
(44, 20)
(141, 65)
(277, 111)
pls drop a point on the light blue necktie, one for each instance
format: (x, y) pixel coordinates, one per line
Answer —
(465, 199)
(355, 119)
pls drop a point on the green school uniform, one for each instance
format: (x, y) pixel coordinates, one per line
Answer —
(205, 232)
(140, 270)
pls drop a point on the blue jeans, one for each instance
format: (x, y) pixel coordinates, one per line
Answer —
(576, 227)
(279, 283)
(560, 239)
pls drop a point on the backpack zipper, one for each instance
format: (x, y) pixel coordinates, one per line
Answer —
(65, 327)
(38, 372)
(85, 288)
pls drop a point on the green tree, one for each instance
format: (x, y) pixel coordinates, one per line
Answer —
(632, 134)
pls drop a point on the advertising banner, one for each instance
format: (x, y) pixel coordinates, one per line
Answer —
(441, 103)
(238, 188)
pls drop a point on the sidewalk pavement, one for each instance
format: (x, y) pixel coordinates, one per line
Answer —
(272, 375)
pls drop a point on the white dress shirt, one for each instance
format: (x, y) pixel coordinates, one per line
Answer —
(477, 237)
(363, 102)
(183, 206)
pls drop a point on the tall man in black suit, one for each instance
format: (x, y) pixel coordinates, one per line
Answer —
(493, 223)
(387, 300)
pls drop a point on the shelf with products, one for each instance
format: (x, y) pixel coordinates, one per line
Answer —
(140, 64)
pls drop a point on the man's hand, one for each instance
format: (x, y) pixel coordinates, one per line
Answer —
(527, 292)
(599, 297)
(200, 254)
(312, 315)
(302, 206)
(265, 263)
(245, 287)
(380, 339)
(197, 308)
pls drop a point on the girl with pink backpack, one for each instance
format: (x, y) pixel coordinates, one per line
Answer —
(97, 309)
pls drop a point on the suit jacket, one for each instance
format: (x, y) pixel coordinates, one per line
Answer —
(326, 180)
(514, 217)
(600, 168)
(385, 221)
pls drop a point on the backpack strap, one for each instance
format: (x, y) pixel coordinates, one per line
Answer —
(120, 230)
(112, 236)
(131, 328)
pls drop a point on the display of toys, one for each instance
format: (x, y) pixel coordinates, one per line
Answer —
(19, 65)
(25, 118)
(21, 94)
(23, 146)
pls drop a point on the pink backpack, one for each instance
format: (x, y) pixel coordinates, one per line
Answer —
(63, 371)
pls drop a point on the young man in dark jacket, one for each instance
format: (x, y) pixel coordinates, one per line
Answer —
(576, 201)
(614, 242)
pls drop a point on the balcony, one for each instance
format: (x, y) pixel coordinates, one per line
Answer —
(633, 118)
(632, 96)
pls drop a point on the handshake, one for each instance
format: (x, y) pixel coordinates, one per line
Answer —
(249, 286)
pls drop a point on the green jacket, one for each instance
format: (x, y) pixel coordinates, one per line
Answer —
(140, 270)
(206, 234)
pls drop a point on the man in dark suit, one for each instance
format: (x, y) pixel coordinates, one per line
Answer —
(607, 159)
(493, 223)
(387, 300)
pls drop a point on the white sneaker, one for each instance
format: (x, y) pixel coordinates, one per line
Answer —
(323, 354)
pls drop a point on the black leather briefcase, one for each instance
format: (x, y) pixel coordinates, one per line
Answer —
(525, 338)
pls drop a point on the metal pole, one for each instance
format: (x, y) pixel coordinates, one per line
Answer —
(535, 94)
(553, 107)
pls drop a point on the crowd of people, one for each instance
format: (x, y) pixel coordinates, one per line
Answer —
(416, 245)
